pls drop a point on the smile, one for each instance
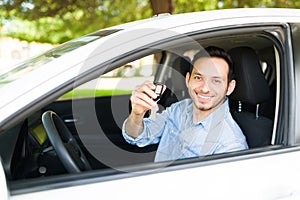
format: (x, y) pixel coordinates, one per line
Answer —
(204, 97)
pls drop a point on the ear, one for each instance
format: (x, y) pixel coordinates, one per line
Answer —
(187, 78)
(231, 87)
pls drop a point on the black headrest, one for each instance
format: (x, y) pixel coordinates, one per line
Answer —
(251, 85)
(182, 65)
(185, 65)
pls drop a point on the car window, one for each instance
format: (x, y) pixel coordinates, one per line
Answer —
(120, 81)
(112, 104)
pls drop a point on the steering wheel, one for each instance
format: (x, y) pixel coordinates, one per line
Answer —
(63, 142)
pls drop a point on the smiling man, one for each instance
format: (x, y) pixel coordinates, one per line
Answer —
(197, 126)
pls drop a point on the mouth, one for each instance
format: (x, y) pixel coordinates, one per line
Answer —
(204, 98)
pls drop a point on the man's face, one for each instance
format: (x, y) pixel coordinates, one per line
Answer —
(208, 84)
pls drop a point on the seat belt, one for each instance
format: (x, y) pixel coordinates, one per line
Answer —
(214, 131)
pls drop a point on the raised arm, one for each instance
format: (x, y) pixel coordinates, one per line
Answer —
(141, 101)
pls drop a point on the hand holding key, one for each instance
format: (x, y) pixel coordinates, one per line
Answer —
(145, 96)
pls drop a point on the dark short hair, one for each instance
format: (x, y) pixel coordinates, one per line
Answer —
(213, 51)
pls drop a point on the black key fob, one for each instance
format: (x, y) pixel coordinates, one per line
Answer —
(158, 91)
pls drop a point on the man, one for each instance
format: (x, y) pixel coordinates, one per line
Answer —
(197, 126)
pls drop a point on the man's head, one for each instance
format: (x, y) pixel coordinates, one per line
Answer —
(213, 51)
(210, 78)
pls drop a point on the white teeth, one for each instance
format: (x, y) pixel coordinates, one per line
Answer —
(203, 96)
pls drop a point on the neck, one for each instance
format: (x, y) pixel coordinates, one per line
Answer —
(199, 115)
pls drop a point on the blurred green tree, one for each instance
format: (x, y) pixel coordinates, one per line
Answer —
(56, 21)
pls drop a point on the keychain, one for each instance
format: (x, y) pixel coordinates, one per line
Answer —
(158, 91)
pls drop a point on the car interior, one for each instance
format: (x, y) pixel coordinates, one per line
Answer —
(87, 128)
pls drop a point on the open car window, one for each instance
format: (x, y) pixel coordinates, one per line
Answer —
(95, 111)
(120, 81)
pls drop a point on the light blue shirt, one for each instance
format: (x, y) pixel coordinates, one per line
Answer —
(179, 137)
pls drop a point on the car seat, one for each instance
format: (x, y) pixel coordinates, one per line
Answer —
(251, 90)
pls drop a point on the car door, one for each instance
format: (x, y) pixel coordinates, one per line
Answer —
(250, 178)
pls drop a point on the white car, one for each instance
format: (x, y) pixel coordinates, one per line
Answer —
(61, 113)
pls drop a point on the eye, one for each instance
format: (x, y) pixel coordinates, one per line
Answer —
(217, 81)
(197, 77)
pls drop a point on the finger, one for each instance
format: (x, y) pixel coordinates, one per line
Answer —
(140, 107)
(147, 88)
(164, 88)
(142, 99)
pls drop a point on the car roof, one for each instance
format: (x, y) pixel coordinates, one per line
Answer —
(173, 20)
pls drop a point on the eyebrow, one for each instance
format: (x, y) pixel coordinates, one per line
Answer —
(198, 73)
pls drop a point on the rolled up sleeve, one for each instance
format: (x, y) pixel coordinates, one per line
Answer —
(152, 132)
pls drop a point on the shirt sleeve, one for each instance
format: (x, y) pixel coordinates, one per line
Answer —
(151, 133)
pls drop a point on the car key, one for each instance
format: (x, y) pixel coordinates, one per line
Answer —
(158, 91)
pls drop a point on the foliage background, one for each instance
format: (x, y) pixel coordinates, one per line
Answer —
(57, 21)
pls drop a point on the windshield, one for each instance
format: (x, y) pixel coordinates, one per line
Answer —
(36, 62)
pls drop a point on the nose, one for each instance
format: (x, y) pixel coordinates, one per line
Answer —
(204, 86)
